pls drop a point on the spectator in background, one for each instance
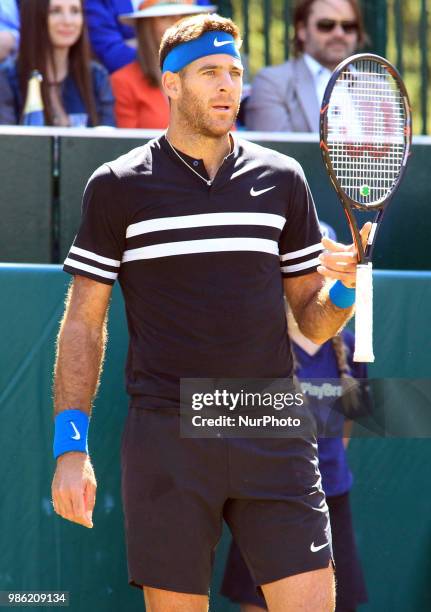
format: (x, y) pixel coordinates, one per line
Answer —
(139, 99)
(9, 28)
(113, 43)
(75, 90)
(287, 97)
(328, 364)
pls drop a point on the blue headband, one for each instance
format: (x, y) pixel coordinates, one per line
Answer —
(209, 43)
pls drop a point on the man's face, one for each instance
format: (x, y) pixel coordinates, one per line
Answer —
(329, 45)
(210, 94)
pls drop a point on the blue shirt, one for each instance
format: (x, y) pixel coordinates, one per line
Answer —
(9, 17)
(336, 475)
(11, 104)
(108, 35)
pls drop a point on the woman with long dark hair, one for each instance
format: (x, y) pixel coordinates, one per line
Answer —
(75, 90)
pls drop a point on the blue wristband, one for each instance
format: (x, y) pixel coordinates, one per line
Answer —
(342, 296)
(71, 432)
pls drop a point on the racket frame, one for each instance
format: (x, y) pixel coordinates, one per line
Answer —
(364, 255)
(364, 308)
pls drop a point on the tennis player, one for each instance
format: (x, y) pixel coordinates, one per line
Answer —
(202, 230)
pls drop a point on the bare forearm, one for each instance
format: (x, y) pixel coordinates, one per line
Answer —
(80, 353)
(320, 319)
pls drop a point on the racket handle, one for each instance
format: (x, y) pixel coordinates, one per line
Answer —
(364, 313)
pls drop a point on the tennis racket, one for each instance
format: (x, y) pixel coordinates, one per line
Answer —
(365, 139)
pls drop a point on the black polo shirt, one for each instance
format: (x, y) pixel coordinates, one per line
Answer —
(200, 266)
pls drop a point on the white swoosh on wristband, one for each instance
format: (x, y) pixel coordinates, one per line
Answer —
(77, 435)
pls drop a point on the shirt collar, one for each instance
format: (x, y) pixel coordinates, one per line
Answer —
(313, 65)
(226, 167)
(234, 153)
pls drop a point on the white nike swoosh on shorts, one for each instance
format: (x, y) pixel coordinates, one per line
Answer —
(316, 548)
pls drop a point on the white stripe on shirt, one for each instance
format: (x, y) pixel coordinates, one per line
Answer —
(205, 220)
(302, 252)
(213, 245)
(82, 266)
(95, 257)
(301, 266)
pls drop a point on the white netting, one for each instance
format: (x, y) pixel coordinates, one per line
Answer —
(365, 131)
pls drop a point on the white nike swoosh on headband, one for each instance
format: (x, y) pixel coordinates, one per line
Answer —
(220, 43)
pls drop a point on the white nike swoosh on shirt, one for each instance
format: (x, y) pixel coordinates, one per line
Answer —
(77, 435)
(316, 548)
(253, 192)
(220, 43)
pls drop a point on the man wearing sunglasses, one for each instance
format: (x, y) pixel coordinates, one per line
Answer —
(287, 97)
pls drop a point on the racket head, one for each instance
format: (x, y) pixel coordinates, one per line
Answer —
(365, 130)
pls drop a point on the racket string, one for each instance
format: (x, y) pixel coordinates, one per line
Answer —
(366, 131)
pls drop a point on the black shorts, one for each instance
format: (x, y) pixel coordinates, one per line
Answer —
(176, 492)
(239, 586)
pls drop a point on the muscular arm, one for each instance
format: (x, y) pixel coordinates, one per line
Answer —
(308, 296)
(81, 345)
(80, 351)
(317, 317)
